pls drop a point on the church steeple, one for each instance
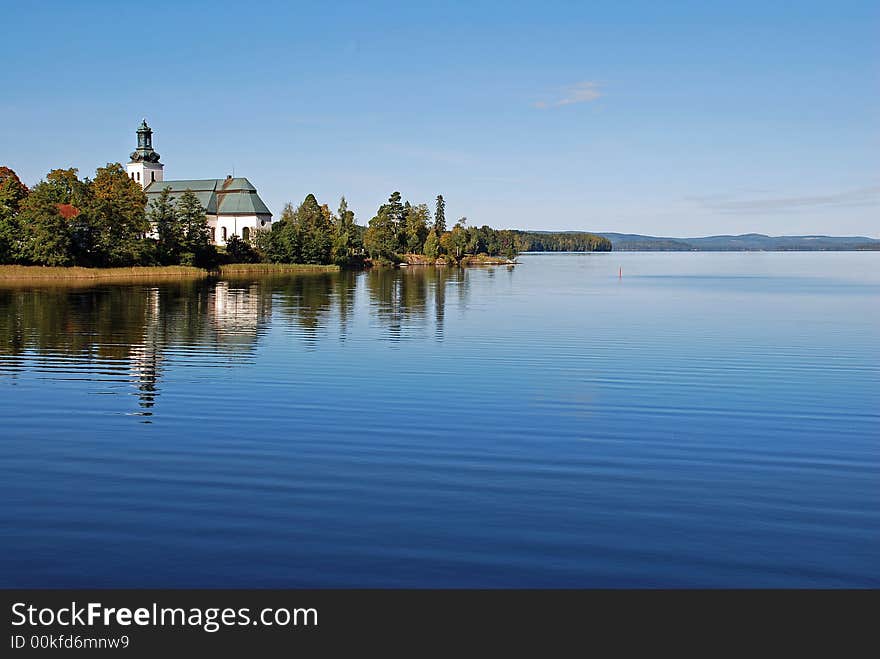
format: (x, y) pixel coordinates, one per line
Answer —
(145, 167)
(144, 151)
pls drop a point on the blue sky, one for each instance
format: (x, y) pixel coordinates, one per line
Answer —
(678, 118)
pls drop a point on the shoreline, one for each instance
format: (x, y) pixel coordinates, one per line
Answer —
(40, 273)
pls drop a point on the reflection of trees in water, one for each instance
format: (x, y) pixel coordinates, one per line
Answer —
(124, 333)
(402, 299)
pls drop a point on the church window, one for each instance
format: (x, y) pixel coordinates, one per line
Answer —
(139, 176)
(224, 234)
(245, 232)
(213, 235)
(152, 176)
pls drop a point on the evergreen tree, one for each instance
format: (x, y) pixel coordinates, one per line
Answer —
(440, 216)
(196, 247)
(347, 237)
(168, 227)
(314, 227)
(283, 242)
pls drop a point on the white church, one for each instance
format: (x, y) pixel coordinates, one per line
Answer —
(232, 205)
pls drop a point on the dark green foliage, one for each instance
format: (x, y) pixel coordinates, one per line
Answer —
(381, 239)
(118, 220)
(304, 235)
(46, 233)
(239, 250)
(194, 228)
(315, 227)
(455, 242)
(168, 228)
(347, 240)
(416, 228)
(432, 245)
(574, 241)
(440, 216)
(12, 193)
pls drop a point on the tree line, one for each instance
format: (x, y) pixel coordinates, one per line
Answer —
(403, 228)
(561, 241)
(100, 222)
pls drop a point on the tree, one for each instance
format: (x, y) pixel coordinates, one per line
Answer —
(380, 239)
(117, 211)
(416, 228)
(432, 245)
(168, 227)
(440, 216)
(347, 237)
(313, 224)
(66, 187)
(475, 242)
(46, 233)
(12, 193)
(239, 250)
(282, 244)
(455, 241)
(197, 248)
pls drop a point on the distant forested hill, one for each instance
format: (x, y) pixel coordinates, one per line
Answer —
(561, 241)
(745, 243)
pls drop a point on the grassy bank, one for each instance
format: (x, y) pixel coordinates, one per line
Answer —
(273, 268)
(36, 274)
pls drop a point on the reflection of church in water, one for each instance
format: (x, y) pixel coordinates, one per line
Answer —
(223, 317)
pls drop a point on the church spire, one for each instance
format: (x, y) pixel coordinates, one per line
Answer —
(144, 151)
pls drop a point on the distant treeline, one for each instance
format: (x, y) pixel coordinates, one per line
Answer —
(563, 241)
(749, 242)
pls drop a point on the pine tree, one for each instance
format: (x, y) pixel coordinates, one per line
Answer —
(440, 216)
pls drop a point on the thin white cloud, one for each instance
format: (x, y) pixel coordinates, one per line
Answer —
(858, 197)
(580, 92)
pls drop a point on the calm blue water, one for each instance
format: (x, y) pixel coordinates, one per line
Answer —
(705, 420)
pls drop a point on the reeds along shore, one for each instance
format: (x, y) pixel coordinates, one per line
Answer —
(11, 273)
(33, 274)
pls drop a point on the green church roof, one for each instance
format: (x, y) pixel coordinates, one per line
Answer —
(229, 196)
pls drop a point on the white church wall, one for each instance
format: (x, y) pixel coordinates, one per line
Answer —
(226, 226)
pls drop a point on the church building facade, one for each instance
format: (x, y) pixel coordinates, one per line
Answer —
(232, 205)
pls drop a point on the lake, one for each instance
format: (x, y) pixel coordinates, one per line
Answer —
(703, 420)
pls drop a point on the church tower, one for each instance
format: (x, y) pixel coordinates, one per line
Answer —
(145, 166)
